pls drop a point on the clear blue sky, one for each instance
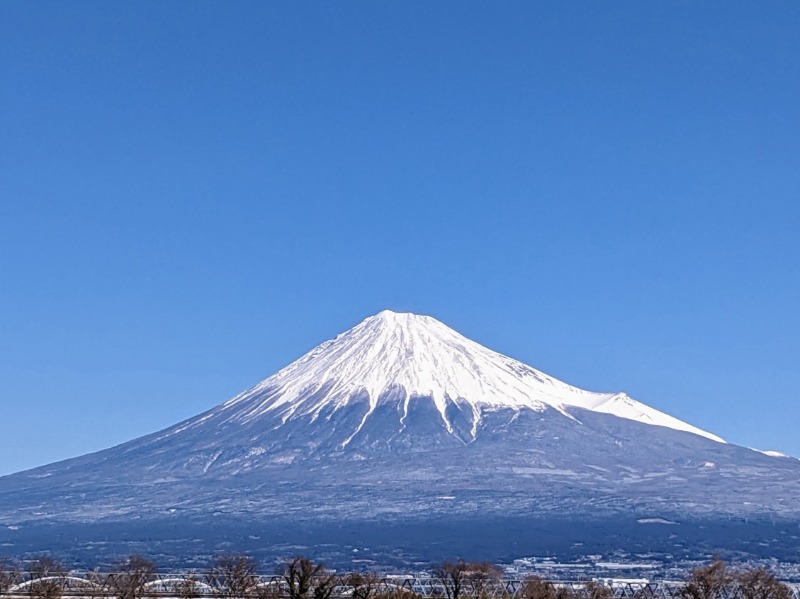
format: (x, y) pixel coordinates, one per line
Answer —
(193, 194)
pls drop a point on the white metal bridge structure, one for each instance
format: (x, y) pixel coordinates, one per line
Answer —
(193, 586)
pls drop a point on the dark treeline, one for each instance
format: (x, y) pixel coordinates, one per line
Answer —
(236, 576)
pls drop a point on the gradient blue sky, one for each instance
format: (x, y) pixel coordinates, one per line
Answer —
(193, 194)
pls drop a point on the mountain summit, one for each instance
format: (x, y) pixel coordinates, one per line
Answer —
(401, 423)
(404, 357)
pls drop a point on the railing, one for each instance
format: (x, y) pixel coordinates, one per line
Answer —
(184, 586)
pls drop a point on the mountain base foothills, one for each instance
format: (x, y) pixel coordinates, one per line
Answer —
(621, 547)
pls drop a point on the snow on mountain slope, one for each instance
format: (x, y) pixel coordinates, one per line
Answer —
(418, 356)
(380, 423)
(623, 406)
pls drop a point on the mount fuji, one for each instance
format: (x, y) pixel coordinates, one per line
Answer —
(402, 435)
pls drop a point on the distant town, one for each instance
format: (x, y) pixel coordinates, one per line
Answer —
(238, 576)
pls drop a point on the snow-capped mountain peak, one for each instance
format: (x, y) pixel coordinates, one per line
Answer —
(408, 356)
(402, 424)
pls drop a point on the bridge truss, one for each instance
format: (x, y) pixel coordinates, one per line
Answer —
(95, 585)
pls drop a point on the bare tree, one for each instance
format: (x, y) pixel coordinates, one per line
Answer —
(188, 587)
(482, 576)
(365, 586)
(234, 575)
(565, 592)
(759, 583)
(453, 578)
(707, 582)
(459, 579)
(541, 588)
(271, 590)
(597, 590)
(538, 588)
(304, 578)
(9, 575)
(324, 584)
(131, 577)
(46, 578)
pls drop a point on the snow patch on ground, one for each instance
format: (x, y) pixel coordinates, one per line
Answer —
(655, 521)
